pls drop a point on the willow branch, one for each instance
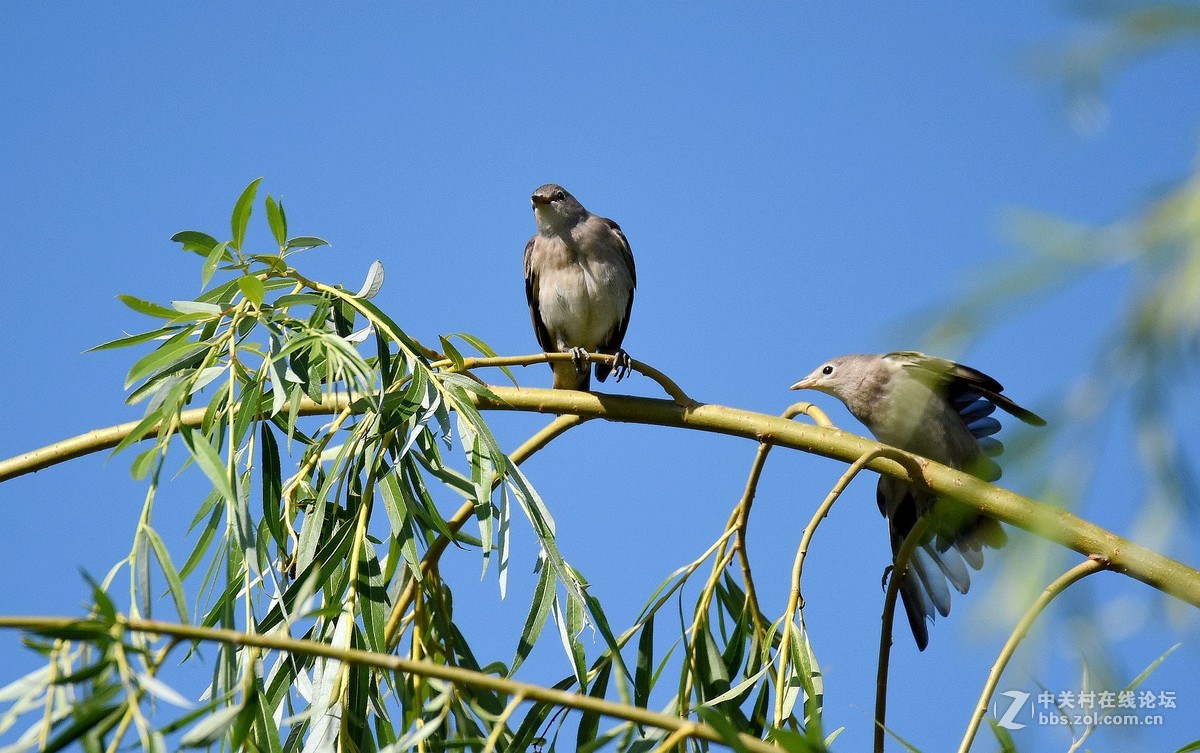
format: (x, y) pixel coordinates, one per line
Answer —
(1051, 523)
(455, 675)
(673, 390)
(1060, 584)
(899, 572)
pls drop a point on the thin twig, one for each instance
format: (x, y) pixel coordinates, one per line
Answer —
(1060, 584)
(899, 571)
(501, 722)
(668, 385)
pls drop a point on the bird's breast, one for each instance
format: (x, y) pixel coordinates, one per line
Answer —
(582, 297)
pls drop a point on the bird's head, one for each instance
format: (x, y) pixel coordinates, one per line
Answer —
(555, 208)
(839, 377)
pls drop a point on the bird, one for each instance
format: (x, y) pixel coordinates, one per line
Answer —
(579, 282)
(940, 410)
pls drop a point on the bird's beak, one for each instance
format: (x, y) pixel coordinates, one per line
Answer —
(803, 384)
(539, 200)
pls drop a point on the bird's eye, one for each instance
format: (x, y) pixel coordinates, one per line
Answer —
(559, 196)
(827, 370)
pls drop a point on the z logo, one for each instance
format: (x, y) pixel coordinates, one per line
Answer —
(1018, 700)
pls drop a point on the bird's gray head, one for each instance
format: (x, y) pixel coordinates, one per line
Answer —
(555, 208)
(848, 378)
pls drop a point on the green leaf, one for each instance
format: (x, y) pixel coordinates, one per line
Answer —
(147, 307)
(206, 537)
(272, 485)
(539, 610)
(374, 282)
(174, 583)
(589, 722)
(277, 221)
(241, 214)
(168, 355)
(253, 289)
(162, 691)
(484, 349)
(1151, 667)
(210, 462)
(211, 728)
(201, 308)
(724, 728)
(122, 342)
(218, 254)
(645, 664)
(195, 241)
(306, 241)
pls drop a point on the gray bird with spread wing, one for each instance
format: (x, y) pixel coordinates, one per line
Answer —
(940, 410)
(579, 281)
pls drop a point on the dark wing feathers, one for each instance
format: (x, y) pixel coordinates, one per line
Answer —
(962, 384)
(531, 295)
(618, 334)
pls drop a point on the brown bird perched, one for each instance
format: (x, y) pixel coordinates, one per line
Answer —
(579, 281)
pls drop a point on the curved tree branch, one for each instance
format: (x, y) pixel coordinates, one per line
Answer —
(451, 674)
(1059, 526)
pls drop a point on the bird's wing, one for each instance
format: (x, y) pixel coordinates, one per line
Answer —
(964, 387)
(531, 295)
(613, 344)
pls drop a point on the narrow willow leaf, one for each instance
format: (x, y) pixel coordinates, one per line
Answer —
(122, 342)
(373, 600)
(452, 353)
(85, 718)
(174, 583)
(146, 307)
(241, 214)
(485, 350)
(326, 707)
(143, 463)
(162, 691)
(398, 516)
(197, 307)
(737, 690)
(725, 728)
(170, 354)
(272, 485)
(504, 535)
(277, 221)
(29, 684)
(544, 596)
(206, 537)
(195, 241)
(253, 289)
(306, 241)
(374, 282)
(642, 680)
(218, 254)
(1151, 667)
(589, 722)
(211, 728)
(210, 462)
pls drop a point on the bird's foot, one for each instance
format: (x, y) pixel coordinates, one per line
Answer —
(580, 357)
(623, 364)
(887, 572)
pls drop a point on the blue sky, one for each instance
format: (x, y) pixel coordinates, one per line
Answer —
(796, 182)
